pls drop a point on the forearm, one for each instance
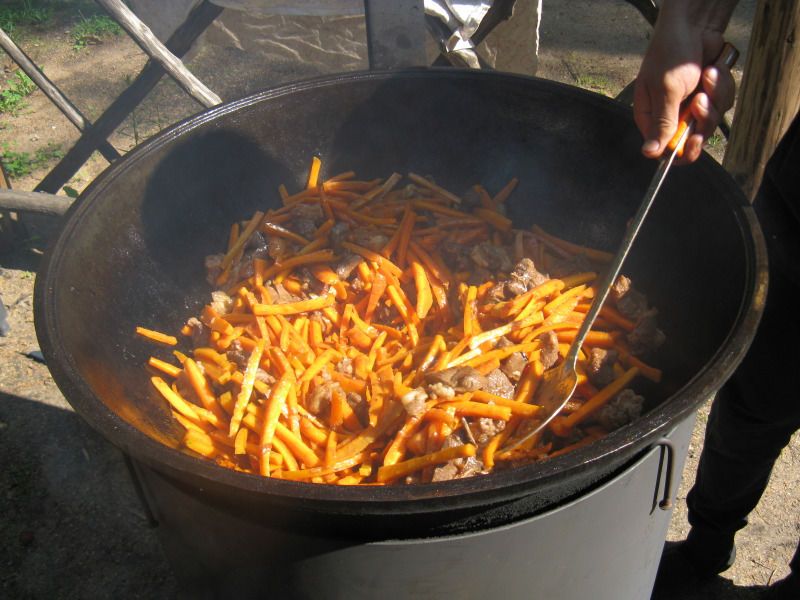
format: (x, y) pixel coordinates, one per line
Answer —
(710, 15)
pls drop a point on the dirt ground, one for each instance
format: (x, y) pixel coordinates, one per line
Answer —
(70, 522)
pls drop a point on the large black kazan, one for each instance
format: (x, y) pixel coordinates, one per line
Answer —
(583, 525)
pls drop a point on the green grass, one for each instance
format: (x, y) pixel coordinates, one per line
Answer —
(715, 140)
(20, 164)
(596, 83)
(24, 13)
(12, 99)
(93, 29)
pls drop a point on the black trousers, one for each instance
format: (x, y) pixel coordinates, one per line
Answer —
(758, 410)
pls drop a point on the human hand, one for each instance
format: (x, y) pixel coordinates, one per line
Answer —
(670, 72)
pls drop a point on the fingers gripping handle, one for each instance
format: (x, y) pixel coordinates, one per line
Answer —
(727, 58)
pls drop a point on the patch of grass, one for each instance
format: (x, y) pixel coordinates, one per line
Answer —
(12, 99)
(92, 30)
(20, 164)
(24, 13)
(715, 140)
(596, 83)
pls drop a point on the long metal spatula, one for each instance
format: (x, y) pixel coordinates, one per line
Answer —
(558, 384)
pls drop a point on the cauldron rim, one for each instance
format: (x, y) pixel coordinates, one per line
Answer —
(506, 484)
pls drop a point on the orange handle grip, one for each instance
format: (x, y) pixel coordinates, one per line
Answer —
(727, 58)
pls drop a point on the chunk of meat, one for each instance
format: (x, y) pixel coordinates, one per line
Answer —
(498, 384)
(236, 354)
(338, 234)
(601, 366)
(489, 256)
(646, 336)
(318, 402)
(513, 365)
(221, 302)
(280, 295)
(461, 379)
(346, 265)
(456, 256)
(369, 237)
(359, 406)
(485, 429)
(264, 377)
(624, 408)
(630, 302)
(549, 346)
(479, 276)
(277, 247)
(414, 402)
(441, 390)
(306, 218)
(525, 273)
(199, 333)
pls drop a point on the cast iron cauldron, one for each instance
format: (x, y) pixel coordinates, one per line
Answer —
(131, 253)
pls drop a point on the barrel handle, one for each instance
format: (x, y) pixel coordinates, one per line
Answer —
(669, 450)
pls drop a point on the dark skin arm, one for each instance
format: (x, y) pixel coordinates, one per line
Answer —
(688, 35)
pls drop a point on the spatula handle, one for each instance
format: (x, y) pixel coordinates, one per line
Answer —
(727, 58)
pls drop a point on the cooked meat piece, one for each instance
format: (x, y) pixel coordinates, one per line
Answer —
(456, 255)
(461, 379)
(525, 272)
(414, 401)
(244, 268)
(213, 265)
(486, 429)
(629, 302)
(345, 366)
(306, 218)
(513, 365)
(319, 401)
(237, 354)
(479, 276)
(503, 342)
(304, 227)
(338, 234)
(497, 293)
(199, 332)
(624, 408)
(264, 377)
(441, 390)
(646, 337)
(514, 287)
(491, 257)
(256, 241)
(312, 212)
(601, 366)
(369, 237)
(446, 472)
(221, 302)
(549, 355)
(277, 247)
(577, 263)
(498, 384)
(359, 406)
(280, 295)
(458, 468)
(346, 265)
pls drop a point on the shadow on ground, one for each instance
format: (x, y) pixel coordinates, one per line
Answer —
(70, 510)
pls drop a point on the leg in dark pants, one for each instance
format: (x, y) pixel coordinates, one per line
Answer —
(757, 411)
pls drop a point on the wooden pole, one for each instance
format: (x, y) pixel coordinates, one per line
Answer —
(51, 91)
(34, 202)
(770, 94)
(179, 43)
(142, 35)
